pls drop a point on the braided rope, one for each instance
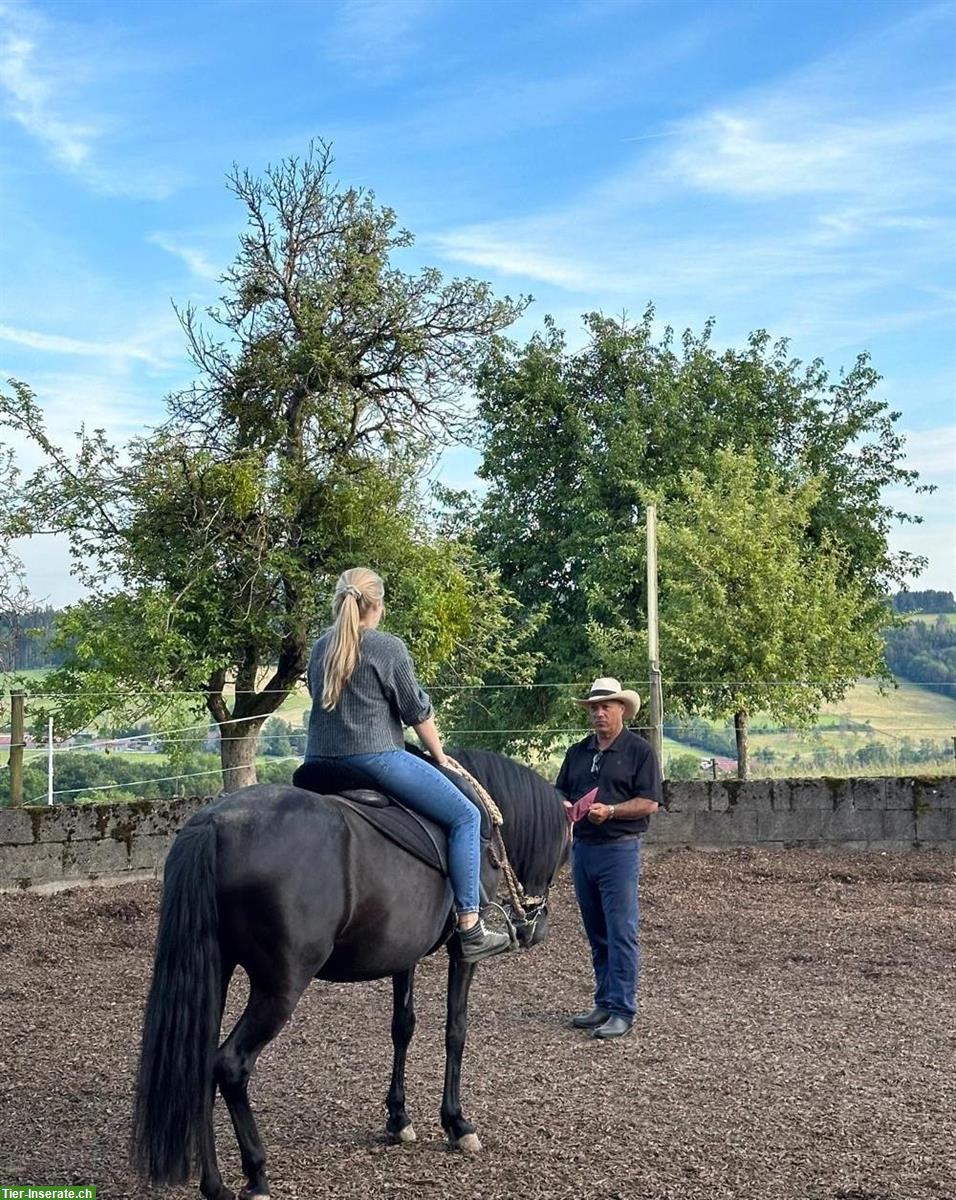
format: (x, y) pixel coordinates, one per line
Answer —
(515, 890)
(493, 810)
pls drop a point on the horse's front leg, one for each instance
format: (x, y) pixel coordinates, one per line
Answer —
(399, 1128)
(460, 1133)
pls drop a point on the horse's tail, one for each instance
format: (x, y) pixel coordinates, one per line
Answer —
(174, 1085)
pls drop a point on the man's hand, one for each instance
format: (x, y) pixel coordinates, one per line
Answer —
(599, 813)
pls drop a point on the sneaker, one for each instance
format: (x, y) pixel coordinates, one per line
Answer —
(479, 942)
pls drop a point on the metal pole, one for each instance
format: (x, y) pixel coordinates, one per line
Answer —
(653, 654)
(16, 747)
(49, 761)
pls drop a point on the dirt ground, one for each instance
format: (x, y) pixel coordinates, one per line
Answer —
(796, 1042)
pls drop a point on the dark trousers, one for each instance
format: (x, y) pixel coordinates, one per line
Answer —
(606, 876)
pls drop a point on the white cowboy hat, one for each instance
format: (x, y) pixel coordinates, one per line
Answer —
(610, 689)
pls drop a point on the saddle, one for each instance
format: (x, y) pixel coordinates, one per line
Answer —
(352, 789)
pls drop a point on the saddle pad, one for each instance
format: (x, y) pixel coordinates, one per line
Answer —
(414, 833)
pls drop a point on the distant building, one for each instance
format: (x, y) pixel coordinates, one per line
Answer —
(725, 766)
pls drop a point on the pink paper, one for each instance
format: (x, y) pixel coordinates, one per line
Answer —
(580, 807)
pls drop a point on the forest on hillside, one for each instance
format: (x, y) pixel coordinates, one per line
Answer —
(928, 601)
(921, 651)
(25, 639)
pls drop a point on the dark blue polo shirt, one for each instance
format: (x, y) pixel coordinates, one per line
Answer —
(626, 769)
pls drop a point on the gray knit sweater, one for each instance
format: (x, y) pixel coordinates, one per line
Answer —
(382, 697)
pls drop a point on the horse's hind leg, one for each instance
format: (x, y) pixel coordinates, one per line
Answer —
(210, 1180)
(265, 1014)
(399, 1128)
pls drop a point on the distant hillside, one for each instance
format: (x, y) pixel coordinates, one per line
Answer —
(929, 601)
(924, 651)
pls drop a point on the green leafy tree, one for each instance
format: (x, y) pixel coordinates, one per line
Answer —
(327, 377)
(574, 441)
(277, 735)
(683, 767)
(769, 617)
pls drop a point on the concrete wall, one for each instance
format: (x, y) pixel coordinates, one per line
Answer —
(47, 848)
(852, 814)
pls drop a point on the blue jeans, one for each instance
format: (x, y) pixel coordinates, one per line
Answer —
(606, 876)
(422, 788)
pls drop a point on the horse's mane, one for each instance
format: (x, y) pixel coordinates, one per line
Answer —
(534, 819)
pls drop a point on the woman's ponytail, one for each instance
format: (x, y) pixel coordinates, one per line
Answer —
(356, 591)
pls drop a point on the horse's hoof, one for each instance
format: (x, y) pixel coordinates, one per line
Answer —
(401, 1136)
(468, 1143)
(253, 1193)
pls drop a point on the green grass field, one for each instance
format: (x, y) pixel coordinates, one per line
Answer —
(931, 618)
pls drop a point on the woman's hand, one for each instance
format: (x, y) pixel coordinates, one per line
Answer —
(429, 737)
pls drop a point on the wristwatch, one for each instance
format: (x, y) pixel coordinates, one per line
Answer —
(610, 815)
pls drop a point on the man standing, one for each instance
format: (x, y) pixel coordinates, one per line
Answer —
(614, 782)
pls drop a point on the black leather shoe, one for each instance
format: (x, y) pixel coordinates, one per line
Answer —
(613, 1027)
(590, 1020)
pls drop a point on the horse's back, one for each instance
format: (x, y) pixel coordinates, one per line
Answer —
(301, 877)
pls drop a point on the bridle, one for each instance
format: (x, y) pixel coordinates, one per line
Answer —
(522, 911)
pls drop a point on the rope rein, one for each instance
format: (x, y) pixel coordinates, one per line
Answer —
(519, 900)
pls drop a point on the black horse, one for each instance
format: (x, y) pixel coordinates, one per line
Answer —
(293, 886)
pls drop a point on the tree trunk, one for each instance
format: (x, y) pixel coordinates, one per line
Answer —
(238, 744)
(743, 746)
(239, 729)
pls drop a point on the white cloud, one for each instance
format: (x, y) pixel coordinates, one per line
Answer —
(195, 260)
(817, 206)
(935, 540)
(33, 103)
(794, 147)
(50, 73)
(377, 37)
(55, 344)
(932, 452)
(47, 569)
(512, 250)
(105, 397)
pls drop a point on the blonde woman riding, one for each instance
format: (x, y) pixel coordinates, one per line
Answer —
(364, 691)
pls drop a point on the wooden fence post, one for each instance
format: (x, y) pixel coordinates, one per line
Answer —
(16, 747)
(656, 705)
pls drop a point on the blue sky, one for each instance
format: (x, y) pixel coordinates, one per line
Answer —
(779, 165)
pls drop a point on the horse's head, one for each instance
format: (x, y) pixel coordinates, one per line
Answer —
(532, 928)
